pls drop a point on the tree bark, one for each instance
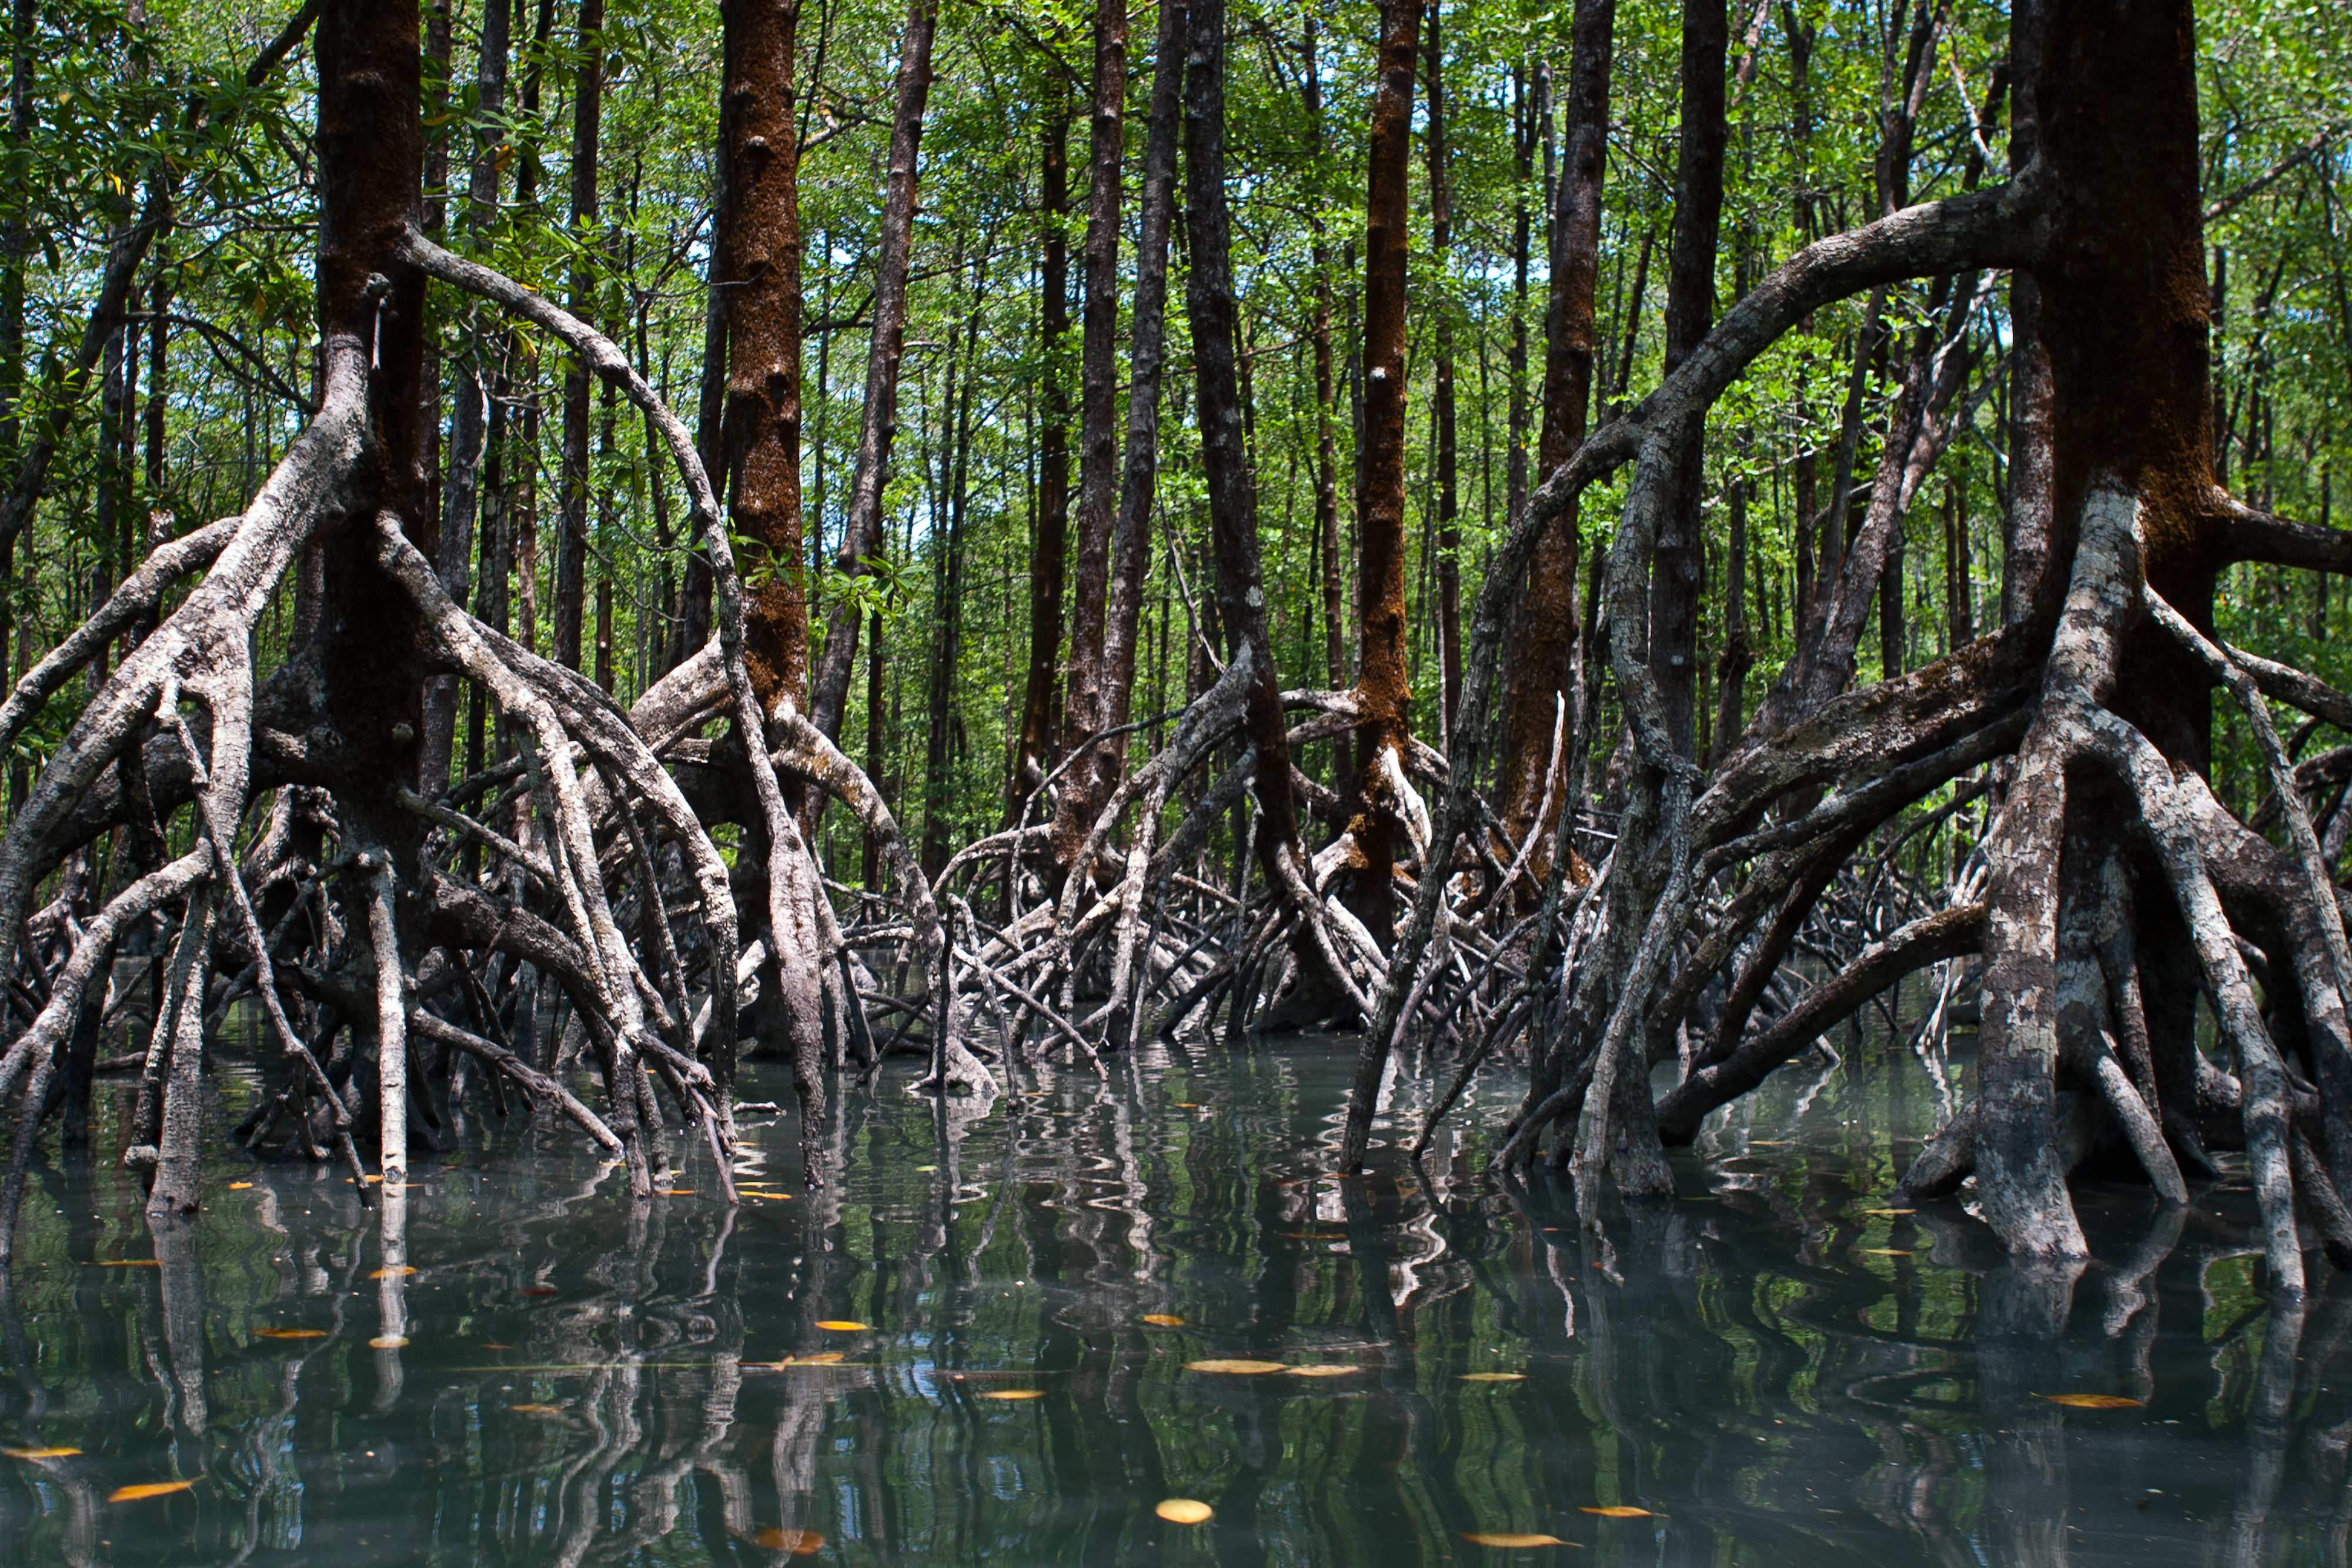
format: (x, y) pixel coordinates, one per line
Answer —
(572, 527)
(1449, 526)
(861, 529)
(1545, 625)
(476, 383)
(1093, 777)
(1034, 750)
(1677, 570)
(758, 268)
(1383, 684)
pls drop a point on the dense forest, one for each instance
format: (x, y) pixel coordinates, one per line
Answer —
(1590, 542)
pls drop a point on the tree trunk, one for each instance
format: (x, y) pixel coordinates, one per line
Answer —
(1038, 744)
(1449, 528)
(1677, 575)
(758, 261)
(1327, 452)
(1092, 778)
(861, 529)
(371, 170)
(1545, 627)
(572, 527)
(476, 385)
(1383, 684)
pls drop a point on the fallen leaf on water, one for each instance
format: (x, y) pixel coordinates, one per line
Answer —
(1188, 1105)
(1163, 1320)
(822, 1358)
(841, 1325)
(1243, 1368)
(130, 1263)
(388, 1273)
(925, 1170)
(2094, 1401)
(1321, 1371)
(1885, 1252)
(1012, 1393)
(1185, 1511)
(39, 1453)
(1886, 1211)
(487, 1346)
(388, 1342)
(1503, 1541)
(677, 1191)
(372, 1180)
(799, 1542)
(1767, 1143)
(536, 1409)
(238, 1185)
(1619, 1511)
(1494, 1377)
(146, 1490)
(289, 1334)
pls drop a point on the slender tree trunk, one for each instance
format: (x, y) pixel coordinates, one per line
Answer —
(1035, 748)
(1543, 645)
(1326, 446)
(942, 754)
(476, 386)
(1676, 569)
(1383, 685)
(1093, 778)
(1225, 454)
(861, 529)
(1737, 656)
(1449, 528)
(758, 261)
(572, 527)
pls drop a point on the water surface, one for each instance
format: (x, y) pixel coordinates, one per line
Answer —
(1770, 1370)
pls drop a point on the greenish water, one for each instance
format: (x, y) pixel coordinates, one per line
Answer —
(1773, 1373)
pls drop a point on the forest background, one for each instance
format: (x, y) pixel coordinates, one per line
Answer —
(206, 372)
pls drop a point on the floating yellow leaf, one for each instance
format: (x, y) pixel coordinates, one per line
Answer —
(238, 1185)
(130, 1263)
(372, 1180)
(1887, 1211)
(1494, 1377)
(289, 1334)
(925, 1170)
(822, 1358)
(1185, 1511)
(39, 1453)
(1163, 1320)
(842, 1325)
(1012, 1393)
(1321, 1371)
(1241, 1368)
(1764, 1143)
(798, 1542)
(1503, 1541)
(1187, 1105)
(1619, 1511)
(536, 1409)
(487, 1346)
(145, 1489)
(388, 1273)
(1885, 1252)
(2094, 1401)
(388, 1342)
(677, 1191)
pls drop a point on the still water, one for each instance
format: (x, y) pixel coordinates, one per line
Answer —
(978, 1350)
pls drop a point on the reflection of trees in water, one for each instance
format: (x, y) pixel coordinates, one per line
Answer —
(1775, 1373)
